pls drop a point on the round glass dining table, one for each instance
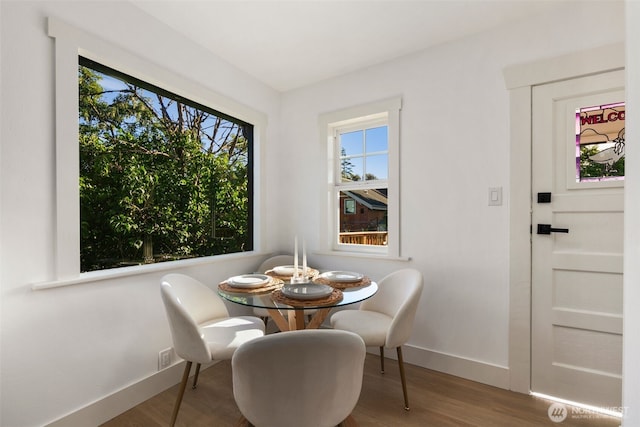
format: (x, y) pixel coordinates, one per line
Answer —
(294, 309)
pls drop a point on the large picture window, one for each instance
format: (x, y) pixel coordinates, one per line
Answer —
(161, 177)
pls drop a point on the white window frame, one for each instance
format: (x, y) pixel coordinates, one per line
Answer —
(380, 112)
(70, 43)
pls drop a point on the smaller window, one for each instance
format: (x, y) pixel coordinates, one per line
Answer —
(349, 206)
(363, 168)
(363, 148)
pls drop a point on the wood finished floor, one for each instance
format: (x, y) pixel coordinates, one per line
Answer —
(436, 399)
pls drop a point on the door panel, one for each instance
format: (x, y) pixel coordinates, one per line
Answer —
(576, 276)
(578, 290)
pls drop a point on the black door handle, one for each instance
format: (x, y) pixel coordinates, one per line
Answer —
(547, 229)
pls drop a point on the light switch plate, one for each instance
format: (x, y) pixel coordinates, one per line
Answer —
(495, 196)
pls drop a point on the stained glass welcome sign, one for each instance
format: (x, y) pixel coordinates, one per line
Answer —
(600, 143)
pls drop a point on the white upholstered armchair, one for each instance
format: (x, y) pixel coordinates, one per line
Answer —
(200, 326)
(386, 319)
(317, 375)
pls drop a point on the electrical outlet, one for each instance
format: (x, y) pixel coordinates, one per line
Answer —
(164, 359)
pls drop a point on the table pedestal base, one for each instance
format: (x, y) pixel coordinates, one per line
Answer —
(295, 319)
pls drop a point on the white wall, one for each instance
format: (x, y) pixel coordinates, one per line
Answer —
(65, 348)
(454, 146)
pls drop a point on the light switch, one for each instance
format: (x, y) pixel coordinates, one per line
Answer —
(495, 196)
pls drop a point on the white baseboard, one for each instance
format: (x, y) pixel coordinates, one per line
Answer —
(121, 401)
(474, 370)
(115, 404)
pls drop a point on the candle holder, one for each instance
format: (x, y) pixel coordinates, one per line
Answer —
(298, 278)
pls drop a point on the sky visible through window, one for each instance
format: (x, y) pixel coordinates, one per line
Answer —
(113, 87)
(367, 152)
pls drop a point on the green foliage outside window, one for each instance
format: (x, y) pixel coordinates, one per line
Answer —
(160, 178)
(592, 169)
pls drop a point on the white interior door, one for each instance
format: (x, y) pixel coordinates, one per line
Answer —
(577, 276)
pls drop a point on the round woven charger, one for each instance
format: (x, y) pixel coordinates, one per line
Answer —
(312, 273)
(335, 296)
(343, 285)
(271, 286)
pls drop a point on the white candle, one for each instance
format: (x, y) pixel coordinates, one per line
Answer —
(295, 257)
(304, 259)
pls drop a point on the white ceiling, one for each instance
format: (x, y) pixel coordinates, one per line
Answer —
(290, 44)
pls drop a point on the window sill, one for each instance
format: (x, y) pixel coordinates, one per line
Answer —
(116, 273)
(383, 257)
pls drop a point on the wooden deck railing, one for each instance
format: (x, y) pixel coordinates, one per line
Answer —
(378, 238)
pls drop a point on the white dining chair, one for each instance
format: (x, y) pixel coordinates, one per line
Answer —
(201, 328)
(275, 261)
(317, 372)
(386, 319)
(267, 265)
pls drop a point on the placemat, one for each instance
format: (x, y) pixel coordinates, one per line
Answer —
(335, 297)
(271, 286)
(366, 281)
(312, 273)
